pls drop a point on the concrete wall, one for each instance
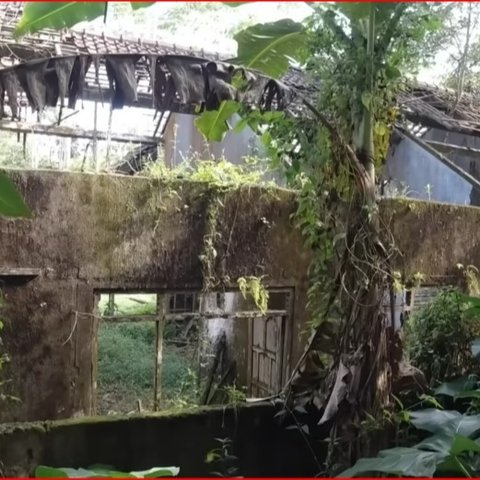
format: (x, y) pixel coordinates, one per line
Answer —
(432, 238)
(415, 173)
(101, 232)
(263, 447)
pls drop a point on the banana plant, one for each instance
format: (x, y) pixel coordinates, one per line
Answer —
(267, 47)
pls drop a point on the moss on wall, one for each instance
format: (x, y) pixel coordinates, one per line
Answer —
(115, 232)
(263, 447)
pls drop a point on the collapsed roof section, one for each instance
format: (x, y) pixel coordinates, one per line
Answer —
(440, 108)
(54, 68)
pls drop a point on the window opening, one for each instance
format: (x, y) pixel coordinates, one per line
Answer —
(160, 350)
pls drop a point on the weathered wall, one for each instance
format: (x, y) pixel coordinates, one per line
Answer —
(263, 447)
(432, 238)
(110, 232)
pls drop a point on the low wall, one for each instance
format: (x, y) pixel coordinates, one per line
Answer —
(262, 446)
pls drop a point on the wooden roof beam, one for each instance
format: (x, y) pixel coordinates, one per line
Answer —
(61, 131)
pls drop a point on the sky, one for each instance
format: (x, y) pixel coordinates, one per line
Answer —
(207, 30)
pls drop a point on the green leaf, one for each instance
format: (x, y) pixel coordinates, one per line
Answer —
(138, 5)
(49, 472)
(108, 472)
(455, 387)
(408, 462)
(157, 472)
(392, 72)
(270, 47)
(103, 471)
(448, 444)
(241, 125)
(367, 100)
(213, 124)
(11, 202)
(359, 11)
(449, 422)
(57, 15)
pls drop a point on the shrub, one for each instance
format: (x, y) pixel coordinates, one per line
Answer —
(439, 336)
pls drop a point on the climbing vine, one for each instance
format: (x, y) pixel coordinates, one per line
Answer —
(359, 58)
(253, 287)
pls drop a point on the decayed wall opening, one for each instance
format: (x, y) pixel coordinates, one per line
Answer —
(156, 351)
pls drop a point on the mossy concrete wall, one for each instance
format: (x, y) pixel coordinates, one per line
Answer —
(98, 232)
(94, 232)
(263, 447)
(432, 238)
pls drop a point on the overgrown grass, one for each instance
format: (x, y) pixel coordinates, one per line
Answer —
(130, 304)
(126, 356)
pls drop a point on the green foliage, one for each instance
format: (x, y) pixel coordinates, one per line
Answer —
(439, 337)
(220, 173)
(235, 395)
(253, 287)
(57, 15)
(104, 471)
(271, 47)
(126, 355)
(125, 304)
(223, 459)
(213, 124)
(452, 449)
(11, 202)
(338, 36)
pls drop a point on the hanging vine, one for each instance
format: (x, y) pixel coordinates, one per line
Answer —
(353, 358)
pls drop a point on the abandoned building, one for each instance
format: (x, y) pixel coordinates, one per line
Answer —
(95, 238)
(434, 155)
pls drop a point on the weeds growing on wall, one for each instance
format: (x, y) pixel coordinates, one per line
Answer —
(220, 173)
(253, 287)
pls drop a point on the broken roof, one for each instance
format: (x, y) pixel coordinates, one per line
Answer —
(439, 108)
(43, 68)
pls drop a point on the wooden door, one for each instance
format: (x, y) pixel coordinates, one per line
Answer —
(266, 350)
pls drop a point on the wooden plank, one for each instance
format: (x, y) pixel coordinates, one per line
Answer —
(130, 318)
(162, 305)
(75, 132)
